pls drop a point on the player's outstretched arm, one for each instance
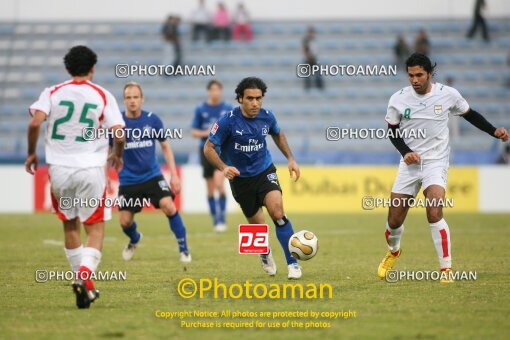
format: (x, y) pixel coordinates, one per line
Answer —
(212, 156)
(175, 182)
(398, 142)
(34, 128)
(479, 121)
(281, 142)
(197, 133)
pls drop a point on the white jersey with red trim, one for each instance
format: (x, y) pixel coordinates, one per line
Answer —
(428, 113)
(70, 108)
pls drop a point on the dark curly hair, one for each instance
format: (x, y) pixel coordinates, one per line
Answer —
(250, 83)
(418, 59)
(80, 60)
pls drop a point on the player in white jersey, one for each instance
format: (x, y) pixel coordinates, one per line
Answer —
(77, 165)
(424, 105)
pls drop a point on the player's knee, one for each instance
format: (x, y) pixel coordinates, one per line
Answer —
(126, 222)
(434, 215)
(171, 211)
(395, 221)
(168, 208)
(277, 213)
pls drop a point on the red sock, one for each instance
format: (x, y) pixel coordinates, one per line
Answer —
(87, 274)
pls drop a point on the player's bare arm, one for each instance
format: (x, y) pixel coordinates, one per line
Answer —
(175, 182)
(409, 155)
(281, 142)
(197, 133)
(34, 128)
(107, 175)
(115, 158)
(479, 121)
(212, 156)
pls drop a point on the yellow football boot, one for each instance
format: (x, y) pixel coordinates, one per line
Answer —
(387, 263)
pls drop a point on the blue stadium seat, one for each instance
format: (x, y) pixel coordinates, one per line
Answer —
(137, 46)
(460, 59)
(502, 93)
(494, 109)
(259, 28)
(9, 110)
(298, 29)
(337, 29)
(357, 28)
(350, 43)
(498, 59)
(272, 44)
(376, 28)
(147, 29)
(122, 29)
(277, 29)
(6, 29)
(30, 94)
(256, 44)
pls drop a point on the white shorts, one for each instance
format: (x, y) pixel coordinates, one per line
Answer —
(411, 177)
(75, 192)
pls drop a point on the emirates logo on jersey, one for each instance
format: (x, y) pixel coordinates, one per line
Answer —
(438, 109)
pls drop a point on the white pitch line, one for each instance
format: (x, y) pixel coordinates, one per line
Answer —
(53, 243)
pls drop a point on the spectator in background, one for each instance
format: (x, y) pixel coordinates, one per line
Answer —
(201, 22)
(221, 23)
(242, 28)
(478, 20)
(402, 50)
(422, 44)
(505, 156)
(310, 51)
(170, 32)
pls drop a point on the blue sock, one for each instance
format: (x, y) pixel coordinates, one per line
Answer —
(212, 208)
(223, 206)
(283, 232)
(132, 233)
(179, 230)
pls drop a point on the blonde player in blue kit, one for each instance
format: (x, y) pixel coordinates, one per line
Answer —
(141, 176)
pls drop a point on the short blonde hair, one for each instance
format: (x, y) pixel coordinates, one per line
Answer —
(132, 84)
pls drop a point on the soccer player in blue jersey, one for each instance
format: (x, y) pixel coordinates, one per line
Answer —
(206, 114)
(141, 176)
(246, 162)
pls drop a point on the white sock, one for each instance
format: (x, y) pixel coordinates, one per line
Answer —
(393, 237)
(441, 237)
(74, 257)
(91, 258)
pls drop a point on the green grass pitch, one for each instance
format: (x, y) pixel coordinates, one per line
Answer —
(351, 247)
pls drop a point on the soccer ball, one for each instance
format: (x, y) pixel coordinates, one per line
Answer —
(303, 245)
